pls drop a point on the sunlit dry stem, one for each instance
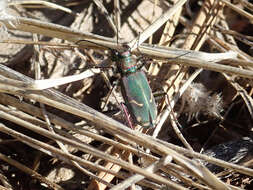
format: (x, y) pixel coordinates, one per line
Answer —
(155, 26)
(137, 177)
(44, 3)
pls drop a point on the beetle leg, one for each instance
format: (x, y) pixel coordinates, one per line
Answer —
(127, 115)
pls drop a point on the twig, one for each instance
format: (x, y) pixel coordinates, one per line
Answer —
(135, 178)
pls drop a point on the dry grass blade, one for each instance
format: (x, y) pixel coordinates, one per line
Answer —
(75, 137)
(87, 149)
(54, 30)
(215, 161)
(45, 3)
(111, 126)
(212, 180)
(247, 4)
(70, 35)
(243, 93)
(177, 131)
(240, 11)
(214, 67)
(167, 111)
(30, 172)
(104, 11)
(96, 120)
(117, 15)
(96, 184)
(155, 26)
(134, 179)
(50, 150)
(205, 176)
(88, 39)
(48, 83)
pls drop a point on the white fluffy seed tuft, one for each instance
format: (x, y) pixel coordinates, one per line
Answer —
(196, 99)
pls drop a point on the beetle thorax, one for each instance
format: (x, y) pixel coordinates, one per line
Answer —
(127, 64)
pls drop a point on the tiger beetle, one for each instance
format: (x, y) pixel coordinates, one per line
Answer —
(135, 89)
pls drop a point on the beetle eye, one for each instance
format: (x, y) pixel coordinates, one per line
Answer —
(115, 53)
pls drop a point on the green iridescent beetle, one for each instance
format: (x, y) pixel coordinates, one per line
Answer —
(135, 90)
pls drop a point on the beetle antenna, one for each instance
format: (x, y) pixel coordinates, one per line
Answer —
(181, 55)
(117, 35)
(93, 43)
(113, 52)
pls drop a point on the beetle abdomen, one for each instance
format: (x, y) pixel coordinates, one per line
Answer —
(139, 98)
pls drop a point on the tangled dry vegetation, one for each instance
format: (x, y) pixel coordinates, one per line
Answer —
(61, 125)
